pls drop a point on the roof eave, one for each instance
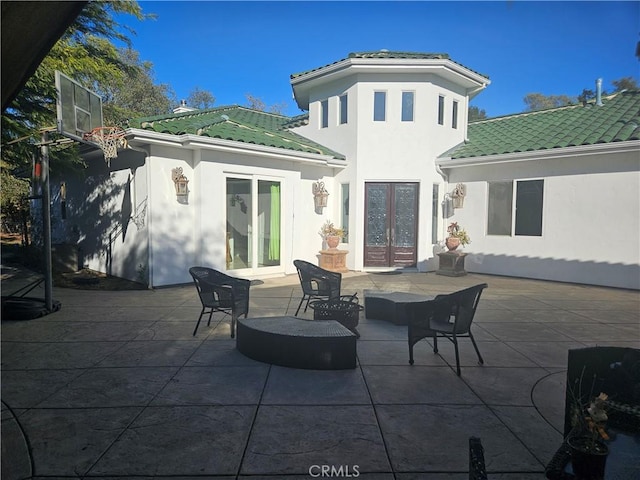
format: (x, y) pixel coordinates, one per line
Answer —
(302, 84)
(447, 163)
(139, 137)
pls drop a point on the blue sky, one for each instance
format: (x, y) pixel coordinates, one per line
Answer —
(234, 48)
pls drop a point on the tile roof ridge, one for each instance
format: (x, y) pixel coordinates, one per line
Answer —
(528, 113)
(590, 103)
(255, 110)
(274, 133)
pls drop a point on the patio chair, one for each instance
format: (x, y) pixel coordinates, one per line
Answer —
(219, 292)
(317, 283)
(447, 315)
(477, 469)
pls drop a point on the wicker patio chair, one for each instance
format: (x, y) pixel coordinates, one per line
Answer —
(447, 315)
(477, 469)
(317, 283)
(219, 292)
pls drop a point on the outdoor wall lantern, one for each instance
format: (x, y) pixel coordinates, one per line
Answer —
(458, 195)
(320, 195)
(181, 183)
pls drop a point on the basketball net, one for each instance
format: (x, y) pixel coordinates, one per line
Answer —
(108, 140)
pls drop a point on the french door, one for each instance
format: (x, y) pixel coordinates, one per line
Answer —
(391, 224)
(253, 213)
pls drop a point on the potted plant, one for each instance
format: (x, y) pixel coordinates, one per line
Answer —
(457, 236)
(586, 439)
(331, 234)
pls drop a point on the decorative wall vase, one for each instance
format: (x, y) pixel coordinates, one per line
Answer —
(588, 463)
(452, 243)
(332, 241)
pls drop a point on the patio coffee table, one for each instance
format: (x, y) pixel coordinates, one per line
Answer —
(297, 343)
(390, 306)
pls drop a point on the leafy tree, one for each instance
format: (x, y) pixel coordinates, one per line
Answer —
(14, 204)
(625, 83)
(136, 95)
(538, 101)
(475, 113)
(201, 99)
(85, 53)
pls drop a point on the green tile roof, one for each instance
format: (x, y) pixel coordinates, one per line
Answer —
(237, 124)
(575, 125)
(380, 54)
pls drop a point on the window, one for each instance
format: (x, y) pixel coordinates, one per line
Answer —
(253, 208)
(343, 109)
(345, 211)
(500, 206)
(440, 110)
(454, 115)
(528, 208)
(324, 113)
(379, 106)
(407, 106)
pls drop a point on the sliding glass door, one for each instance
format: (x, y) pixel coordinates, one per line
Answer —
(253, 208)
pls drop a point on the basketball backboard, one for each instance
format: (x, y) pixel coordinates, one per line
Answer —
(79, 109)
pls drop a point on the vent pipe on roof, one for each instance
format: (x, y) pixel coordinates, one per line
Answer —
(599, 92)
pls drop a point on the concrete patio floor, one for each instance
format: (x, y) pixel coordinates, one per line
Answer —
(114, 385)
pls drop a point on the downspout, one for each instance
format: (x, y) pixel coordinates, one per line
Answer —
(445, 177)
(149, 221)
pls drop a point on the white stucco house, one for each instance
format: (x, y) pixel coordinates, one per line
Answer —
(547, 194)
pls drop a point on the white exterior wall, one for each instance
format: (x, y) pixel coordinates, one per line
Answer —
(194, 233)
(585, 208)
(105, 218)
(389, 151)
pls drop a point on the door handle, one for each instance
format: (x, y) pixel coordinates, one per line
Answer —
(393, 236)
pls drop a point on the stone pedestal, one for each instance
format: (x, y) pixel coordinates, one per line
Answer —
(451, 264)
(334, 260)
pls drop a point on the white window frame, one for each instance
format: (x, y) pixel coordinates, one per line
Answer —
(413, 106)
(441, 105)
(384, 105)
(455, 110)
(343, 110)
(513, 208)
(324, 113)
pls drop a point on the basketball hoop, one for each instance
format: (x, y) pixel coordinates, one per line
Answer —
(108, 140)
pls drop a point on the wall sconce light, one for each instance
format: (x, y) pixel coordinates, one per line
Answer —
(181, 182)
(320, 195)
(458, 195)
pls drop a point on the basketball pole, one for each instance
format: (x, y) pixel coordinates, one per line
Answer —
(46, 222)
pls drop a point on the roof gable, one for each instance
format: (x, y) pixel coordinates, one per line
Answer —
(235, 123)
(617, 120)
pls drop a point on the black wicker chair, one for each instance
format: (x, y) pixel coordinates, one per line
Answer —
(449, 316)
(317, 283)
(219, 292)
(477, 469)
